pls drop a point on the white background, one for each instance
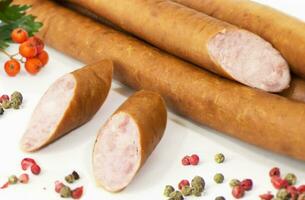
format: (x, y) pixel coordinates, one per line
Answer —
(73, 152)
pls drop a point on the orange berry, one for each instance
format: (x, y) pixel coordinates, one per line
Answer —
(12, 67)
(43, 57)
(38, 43)
(33, 65)
(19, 35)
(28, 49)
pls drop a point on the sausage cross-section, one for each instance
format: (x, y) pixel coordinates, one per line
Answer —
(70, 101)
(208, 42)
(127, 139)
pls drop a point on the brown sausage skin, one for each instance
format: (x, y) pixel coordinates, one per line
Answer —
(266, 120)
(147, 111)
(92, 86)
(296, 90)
(284, 32)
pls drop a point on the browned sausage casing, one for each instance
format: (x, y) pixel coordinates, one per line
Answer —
(69, 102)
(284, 32)
(266, 120)
(127, 139)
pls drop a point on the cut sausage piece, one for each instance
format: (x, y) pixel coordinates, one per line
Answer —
(208, 42)
(127, 139)
(69, 102)
(284, 32)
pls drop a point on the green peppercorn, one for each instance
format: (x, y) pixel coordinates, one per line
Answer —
(218, 178)
(220, 198)
(198, 180)
(6, 104)
(197, 191)
(65, 192)
(291, 178)
(234, 182)
(15, 104)
(1, 110)
(219, 158)
(17, 95)
(198, 186)
(70, 178)
(168, 190)
(176, 195)
(13, 179)
(75, 175)
(283, 194)
(186, 190)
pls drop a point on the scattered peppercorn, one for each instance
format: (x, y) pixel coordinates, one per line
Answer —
(267, 196)
(183, 183)
(17, 95)
(70, 178)
(291, 178)
(275, 171)
(197, 191)
(65, 192)
(186, 190)
(278, 182)
(247, 184)
(292, 190)
(218, 178)
(75, 175)
(301, 189)
(1, 110)
(220, 198)
(77, 192)
(185, 160)
(13, 179)
(238, 192)
(168, 190)
(194, 159)
(219, 158)
(283, 194)
(198, 181)
(176, 195)
(24, 178)
(15, 104)
(35, 169)
(234, 182)
(4, 97)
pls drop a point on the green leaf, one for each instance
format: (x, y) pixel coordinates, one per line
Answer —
(14, 16)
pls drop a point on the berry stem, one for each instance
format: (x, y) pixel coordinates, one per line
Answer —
(11, 56)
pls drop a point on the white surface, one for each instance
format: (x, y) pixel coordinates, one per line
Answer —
(73, 152)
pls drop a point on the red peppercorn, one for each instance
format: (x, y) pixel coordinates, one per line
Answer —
(58, 186)
(275, 172)
(77, 193)
(247, 184)
(279, 183)
(301, 189)
(238, 192)
(35, 169)
(5, 185)
(4, 98)
(194, 159)
(267, 196)
(183, 183)
(185, 160)
(27, 162)
(24, 178)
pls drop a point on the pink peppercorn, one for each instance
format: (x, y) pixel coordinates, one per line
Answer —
(247, 184)
(301, 189)
(238, 192)
(183, 183)
(35, 169)
(186, 160)
(77, 193)
(58, 186)
(4, 98)
(24, 178)
(267, 196)
(279, 183)
(275, 172)
(194, 159)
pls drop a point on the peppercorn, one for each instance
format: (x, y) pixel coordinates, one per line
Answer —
(186, 190)
(168, 190)
(65, 192)
(70, 178)
(220, 198)
(17, 95)
(234, 182)
(6, 104)
(198, 180)
(198, 186)
(291, 178)
(13, 179)
(75, 175)
(176, 195)
(219, 158)
(1, 110)
(218, 178)
(283, 194)
(197, 191)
